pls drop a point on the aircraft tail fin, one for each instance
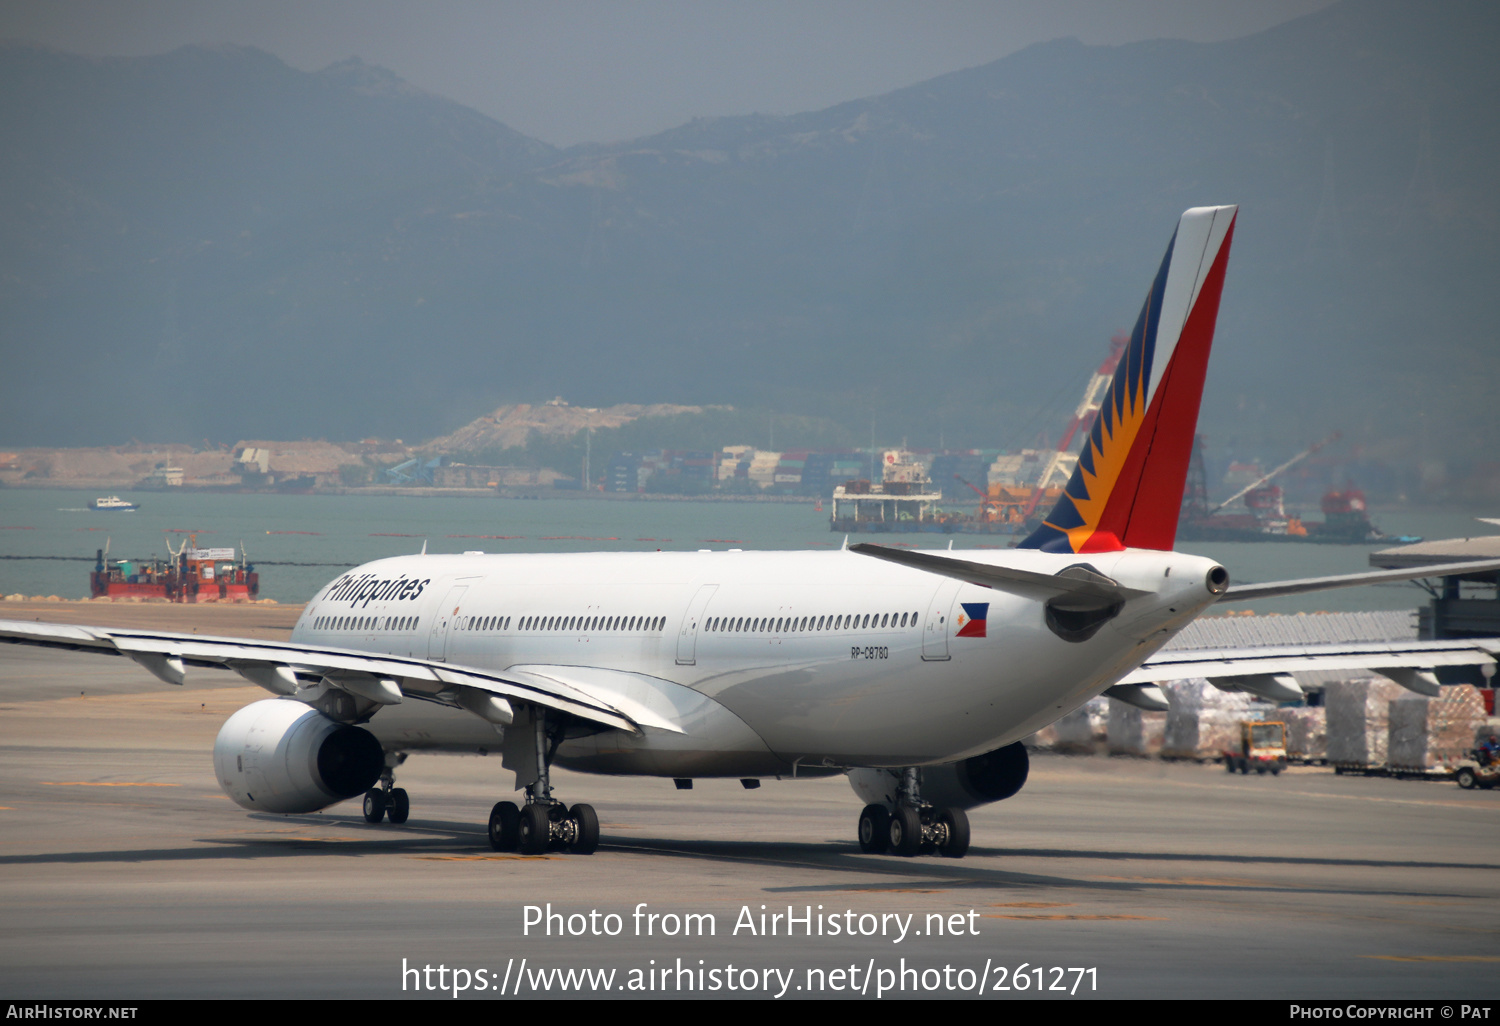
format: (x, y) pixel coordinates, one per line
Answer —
(1127, 488)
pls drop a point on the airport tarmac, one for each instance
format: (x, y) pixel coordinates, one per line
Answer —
(125, 873)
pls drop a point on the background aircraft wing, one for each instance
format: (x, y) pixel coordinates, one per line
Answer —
(1246, 592)
(285, 668)
(1267, 670)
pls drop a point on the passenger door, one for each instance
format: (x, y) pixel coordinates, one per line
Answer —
(935, 628)
(447, 612)
(687, 634)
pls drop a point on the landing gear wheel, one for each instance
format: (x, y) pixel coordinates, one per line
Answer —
(956, 822)
(535, 829)
(874, 829)
(374, 806)
(586, 827)
(505, 820)
(1467, 779)
(400, 806)
(905, 831)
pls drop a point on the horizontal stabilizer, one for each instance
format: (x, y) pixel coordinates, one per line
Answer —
(1271, 589)
(1075, 581)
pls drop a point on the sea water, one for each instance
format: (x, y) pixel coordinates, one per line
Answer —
(300, 542)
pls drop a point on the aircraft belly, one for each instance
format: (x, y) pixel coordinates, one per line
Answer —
(712, 742)
(902, 710)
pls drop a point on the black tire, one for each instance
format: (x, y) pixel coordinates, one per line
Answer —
(400, 806)
(587, 823)
(505, 826)
(874, 830)
(1260, 769)
(905, 831)
(1229, 764)
(535, 831)
(1466, 778)
(1244, 766)
(957, 844)
(374, 806)
(1276, 770)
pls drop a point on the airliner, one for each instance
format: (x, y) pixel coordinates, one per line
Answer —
(916, 673)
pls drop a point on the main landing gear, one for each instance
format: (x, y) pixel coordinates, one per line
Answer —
(388, 801)
(913, 828)
(543, 823)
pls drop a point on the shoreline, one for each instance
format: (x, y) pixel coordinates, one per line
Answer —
(388, 491)
(267, 621)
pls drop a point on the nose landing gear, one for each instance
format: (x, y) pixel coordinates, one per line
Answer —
(388, 801)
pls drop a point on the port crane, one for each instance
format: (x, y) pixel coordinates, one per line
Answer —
(1288, 465)
(1083, 420)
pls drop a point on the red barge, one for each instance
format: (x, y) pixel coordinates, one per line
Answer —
(191, 575)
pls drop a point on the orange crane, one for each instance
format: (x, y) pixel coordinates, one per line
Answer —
(1083, 420)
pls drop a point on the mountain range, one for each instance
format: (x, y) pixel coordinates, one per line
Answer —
(211, 244)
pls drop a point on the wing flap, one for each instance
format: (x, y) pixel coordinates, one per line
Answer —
(624, 690)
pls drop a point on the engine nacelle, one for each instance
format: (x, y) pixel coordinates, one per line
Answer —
(281, 755)
(991, 777)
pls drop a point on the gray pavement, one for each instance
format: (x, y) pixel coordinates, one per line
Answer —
(124, 872)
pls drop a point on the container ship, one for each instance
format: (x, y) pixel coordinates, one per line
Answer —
(1346, 516)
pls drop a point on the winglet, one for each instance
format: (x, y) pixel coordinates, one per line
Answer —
(1127, 488)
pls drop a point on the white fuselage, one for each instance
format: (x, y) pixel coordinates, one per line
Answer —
(768, 661)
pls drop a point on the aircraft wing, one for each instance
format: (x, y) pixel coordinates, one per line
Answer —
(1271, 589)
(1266, 670)
(285, 668)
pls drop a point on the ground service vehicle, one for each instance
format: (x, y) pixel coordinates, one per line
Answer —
(1262, 748)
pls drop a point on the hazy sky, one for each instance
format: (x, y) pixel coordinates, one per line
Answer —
(568, 71)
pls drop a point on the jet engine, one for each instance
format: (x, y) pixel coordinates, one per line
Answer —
(991, 777)
(281, 755)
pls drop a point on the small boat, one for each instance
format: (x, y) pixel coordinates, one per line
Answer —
(113, 504)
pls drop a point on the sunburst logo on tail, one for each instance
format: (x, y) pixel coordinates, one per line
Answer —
(1127, 487)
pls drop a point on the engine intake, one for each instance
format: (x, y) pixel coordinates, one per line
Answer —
(280, 755)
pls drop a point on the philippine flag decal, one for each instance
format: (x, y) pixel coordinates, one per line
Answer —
(972, 620)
